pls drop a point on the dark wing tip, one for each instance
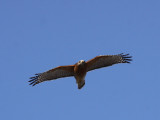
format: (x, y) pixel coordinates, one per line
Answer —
(126, 58)
(34, 80)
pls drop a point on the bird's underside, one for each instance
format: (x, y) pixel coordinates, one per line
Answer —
(80, 69)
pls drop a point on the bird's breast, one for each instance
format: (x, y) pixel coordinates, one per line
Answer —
(80, 70)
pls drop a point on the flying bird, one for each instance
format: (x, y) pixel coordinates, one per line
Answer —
(80, 69)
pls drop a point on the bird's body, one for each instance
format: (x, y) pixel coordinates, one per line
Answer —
(80, 69)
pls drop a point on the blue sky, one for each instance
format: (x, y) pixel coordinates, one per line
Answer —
(39, 35)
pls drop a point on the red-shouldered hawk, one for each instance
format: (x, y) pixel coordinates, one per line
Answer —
(80, 69)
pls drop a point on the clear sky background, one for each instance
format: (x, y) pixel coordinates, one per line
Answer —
(38, 35)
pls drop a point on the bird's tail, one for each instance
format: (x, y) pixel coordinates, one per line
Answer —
(81, 84)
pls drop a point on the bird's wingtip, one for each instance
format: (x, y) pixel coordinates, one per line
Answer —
(126, 58)
(34, 80)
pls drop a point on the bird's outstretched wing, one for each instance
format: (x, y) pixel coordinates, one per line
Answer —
(107, 60)
(58, 72)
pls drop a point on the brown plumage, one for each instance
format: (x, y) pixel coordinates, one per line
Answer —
(80, 69)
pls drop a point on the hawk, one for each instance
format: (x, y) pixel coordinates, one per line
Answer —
(80, 69)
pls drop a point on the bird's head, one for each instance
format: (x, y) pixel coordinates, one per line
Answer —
(81, 62)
